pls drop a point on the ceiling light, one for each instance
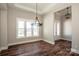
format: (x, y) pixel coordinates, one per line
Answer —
(68, 14)
(37, 18)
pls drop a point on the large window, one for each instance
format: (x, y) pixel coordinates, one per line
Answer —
(20, 28)
(27, 28)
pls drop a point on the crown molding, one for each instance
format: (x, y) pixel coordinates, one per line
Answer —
(45, 10)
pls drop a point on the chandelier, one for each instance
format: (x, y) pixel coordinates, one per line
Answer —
(37, 18)
(68, 14)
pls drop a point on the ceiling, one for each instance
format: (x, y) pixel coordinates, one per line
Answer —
(41, 7)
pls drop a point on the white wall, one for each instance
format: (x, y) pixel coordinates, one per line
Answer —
(48, 25)
(13, 13)
(57, 26)
(0, 30)
(3, 28)
(65, 25)
(48, 28)
(75, 28)
(67, 29)
(49, 18)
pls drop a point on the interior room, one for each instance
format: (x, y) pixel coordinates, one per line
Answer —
(39, 29)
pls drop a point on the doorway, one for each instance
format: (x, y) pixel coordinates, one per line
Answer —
(63, 25)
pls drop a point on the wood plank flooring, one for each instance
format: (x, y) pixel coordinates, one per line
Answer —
(40, 48)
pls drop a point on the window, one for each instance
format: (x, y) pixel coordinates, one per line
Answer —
(27, 28)
(32, 29)
(35, 29)
(20, 28)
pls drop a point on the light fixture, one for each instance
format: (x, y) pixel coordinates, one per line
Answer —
(37, 18)
(68, 14)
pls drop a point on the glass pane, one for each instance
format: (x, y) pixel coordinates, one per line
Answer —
(29, 32)
(20, 32)
(20, 24)
(28, 29)
(20, 28)
(28, 24)
(32, 29)
(35, 30)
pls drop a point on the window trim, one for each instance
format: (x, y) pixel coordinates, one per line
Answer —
(25, 31)
(18, 19)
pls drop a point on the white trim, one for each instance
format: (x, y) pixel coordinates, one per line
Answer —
(67, 39)
(23, 42)
(61, 38)
(64, 39)
(0, 49)
(49, 42)
(3, 48)
(45, 10)
(74, 50)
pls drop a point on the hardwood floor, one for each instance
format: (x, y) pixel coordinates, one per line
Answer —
(40, 48)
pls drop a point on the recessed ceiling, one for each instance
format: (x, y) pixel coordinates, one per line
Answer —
(41, 7)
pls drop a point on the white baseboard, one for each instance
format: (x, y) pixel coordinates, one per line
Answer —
(0, 49)
(24, 42)
(49, 42)
(65, 39)
(3, 48)
(74, 50)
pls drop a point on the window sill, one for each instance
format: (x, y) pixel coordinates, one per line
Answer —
(20, 37)
(27, 37)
